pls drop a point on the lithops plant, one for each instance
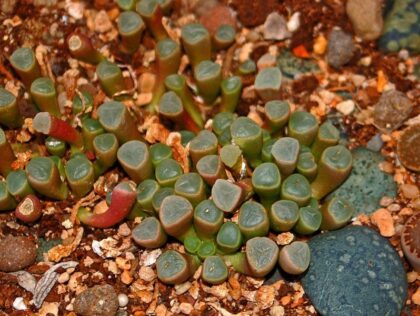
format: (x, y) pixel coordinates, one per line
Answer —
(410, 241)
(295, 257)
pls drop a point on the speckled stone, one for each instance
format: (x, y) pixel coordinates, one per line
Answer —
(355, 271)
(16, 253)
(292, 66)
(402, 27)
(100, 300)
(367, 184)
(340, 48)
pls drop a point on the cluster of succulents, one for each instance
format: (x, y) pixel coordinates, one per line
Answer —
(247, 179)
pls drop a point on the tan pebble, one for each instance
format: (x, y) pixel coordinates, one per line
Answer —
(182, 288)
(285, 238)
(386, 166)
(406, 211)
(63, 278)
(147, 82)
(285, 300)
(346, 107)
(386, 201)
(126, 277)
(122, 263)
(265, 296)
(320, 45)
(277, 311)
(412, 276)
(266, 60)
(416, 297)
(161, 310)
(416, 204)
(124, 230)
(410, 191)
(394, 207)
(145, 296)
(185, 308)
(245, 52)
(147, 274)
(249, 93)
(383, 220)
(102, 22)
(144, 98)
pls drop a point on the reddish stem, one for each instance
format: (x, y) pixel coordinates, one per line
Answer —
(49, 125)
(189, 123)
(122, 199)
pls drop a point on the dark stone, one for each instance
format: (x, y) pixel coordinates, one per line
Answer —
(16, 253)
(355, 271)
(340, 48)
(392, 109)
(367, 184)
(402, 27)
(100, 300)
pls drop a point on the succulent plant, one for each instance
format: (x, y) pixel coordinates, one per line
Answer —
(9, 110)
(44, 177)
(130, 28)
(48, 124)
(327, 135)
(214, 270)
(80, 175)
(122, 199)
(176, 215)
(226, 195)
(211, 168)
(333, 168)
(7, 155)
(229, 238)
(152, 14)
(268, 83)
(248, 136)
(149, 233)
(231, 156)
(191, 186)
(253, 220)
(115, 118)
(145, 193)
(224, 36)
(247, 67)
(29, 210)
(296, 188)
(283, 215)
(167, 172)
(208, 77)
(18, 184)
(45, 96)
(260, 257)
(208, 219)
(303, 126)
(159, 196)
(81, 48)
(7, 201)
(196, 42)
(110, 77)
(295, 257)
(134, 157)
(231, 89)
(336, 213)
(285, 152)
(205, 143)
(175, 268)
(160, 152)
(277, 113)
(105, 147)
(25, 64)
(55, 147)
(177, 84)
(310, 219)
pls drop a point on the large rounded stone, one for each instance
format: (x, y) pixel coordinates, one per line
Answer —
(100, 300)
(355, 271)
(366, 18)
(16, 253)
(366, 184)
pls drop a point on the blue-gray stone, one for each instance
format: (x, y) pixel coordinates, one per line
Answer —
(292, 66)
(375, 143)
(355, 271)
(367, 184)
(402, 27)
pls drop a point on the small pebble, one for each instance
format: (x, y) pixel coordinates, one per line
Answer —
(375, 143)
(63, 278)
(275, 27)
(394, 207)
(383, 220)
(102, 22)
(122, 300)
(340, 48)
(346, 107)
(185, 308)
(386, 201)
(277, 311)
(19, 304)
(410, 191)
(266, 60)
(147, 274)
(416, 297)
(416, 204)
(294, 22)
(412, 276)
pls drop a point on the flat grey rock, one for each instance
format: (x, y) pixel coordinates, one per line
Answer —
(355, 271)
